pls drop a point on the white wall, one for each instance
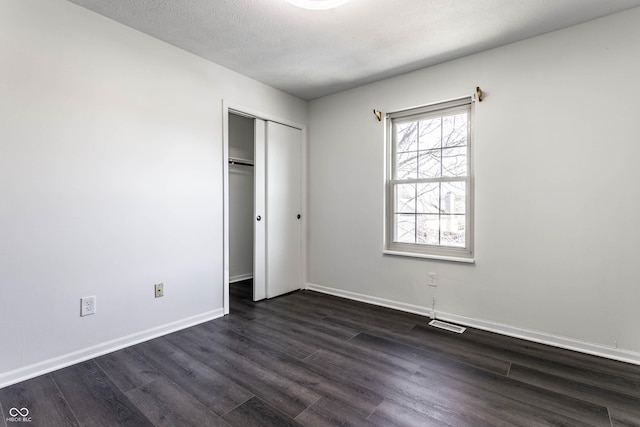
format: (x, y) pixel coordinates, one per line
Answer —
(241, 146)
(111, 176)
(557, 207)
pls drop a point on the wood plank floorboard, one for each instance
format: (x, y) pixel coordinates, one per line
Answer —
(425, 349)
(215, 390)
(310, 359)
(328, 412)
(271, 337)
(280, 392)
(392, 414)
(623, 419)
(257, 413)
(361, 317)
(294, 307)
(556, 355)
(95, 399)
(40, 396)
(358, 399)
(128, 369)
(507, 405)
(588, 371)
(577, 389)
(164, 403)
(313, 325)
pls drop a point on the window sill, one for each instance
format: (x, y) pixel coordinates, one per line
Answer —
(428, 256)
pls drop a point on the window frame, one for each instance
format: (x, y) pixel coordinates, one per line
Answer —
(448, 253)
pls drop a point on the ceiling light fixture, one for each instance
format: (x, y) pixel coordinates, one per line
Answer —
(317, 4)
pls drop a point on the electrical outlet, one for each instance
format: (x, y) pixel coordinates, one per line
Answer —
(87, 306)
(159, 289)
(433, 280)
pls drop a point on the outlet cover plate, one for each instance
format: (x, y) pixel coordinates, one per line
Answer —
(433, 280)
(159, 289)
(87, 306)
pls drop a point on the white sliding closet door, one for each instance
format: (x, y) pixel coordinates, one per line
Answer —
(259, 212)
(283, 224)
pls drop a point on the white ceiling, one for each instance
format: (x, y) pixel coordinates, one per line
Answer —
(315, 53)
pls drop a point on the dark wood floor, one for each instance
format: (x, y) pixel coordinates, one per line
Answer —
(312, 359)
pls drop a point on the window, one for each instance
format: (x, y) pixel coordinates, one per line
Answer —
(429, 196)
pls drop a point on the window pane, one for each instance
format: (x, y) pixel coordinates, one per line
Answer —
(405, 228)
(452, 230)
(406, 137)
(430, 164)
(406, 165)
(428, 198)
(405, 198)
(428, 229)
(453, 198)
(454, 130)
(454, 161)
(430, 133)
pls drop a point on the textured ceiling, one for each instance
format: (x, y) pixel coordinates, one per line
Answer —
(315, 53)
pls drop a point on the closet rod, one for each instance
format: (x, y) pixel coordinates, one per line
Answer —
(242, 162)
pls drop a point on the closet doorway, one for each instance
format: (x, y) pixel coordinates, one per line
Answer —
(241, 204)
(264, 207)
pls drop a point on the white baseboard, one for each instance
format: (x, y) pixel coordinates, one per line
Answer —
(530, 335)
(409, 308)
(32, 371)
(240, 278)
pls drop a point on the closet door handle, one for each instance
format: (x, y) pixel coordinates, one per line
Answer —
(259, 218)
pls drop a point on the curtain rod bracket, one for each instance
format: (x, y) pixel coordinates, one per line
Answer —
(479, 93)
(378, 114)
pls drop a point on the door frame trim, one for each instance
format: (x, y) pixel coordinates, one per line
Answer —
(256, 114)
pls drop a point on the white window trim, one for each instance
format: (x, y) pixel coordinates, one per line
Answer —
(464, 255)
